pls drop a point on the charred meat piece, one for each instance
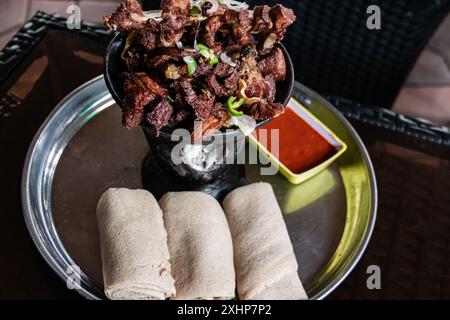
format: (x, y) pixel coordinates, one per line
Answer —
(133, 58)
(160, 115)
(165, 89)
(256, 86)
(271, 88)
(178, 116)
(144, 81)
(136, 98)
(214, 121)
(224, 80)
(148, 40)
(161, 56)
(282, 18)
(140, 90)
(127, 17)
(274, 64)
(263, 110)
(172, 30)
(148, 35)
(242, 25)
(212, 26)
(250, 74)
(158, 61)
(202, 104)
(262, 21)
(203, 70)
(175, 7)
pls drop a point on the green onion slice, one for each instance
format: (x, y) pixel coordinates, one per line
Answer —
(232, 106)
(191, 63)
(207, 53)
(195, 11)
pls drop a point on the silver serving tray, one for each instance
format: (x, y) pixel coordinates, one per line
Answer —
(81, 150)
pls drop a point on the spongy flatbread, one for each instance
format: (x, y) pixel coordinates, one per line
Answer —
(133, 241)
(265, 263)
(200, 246)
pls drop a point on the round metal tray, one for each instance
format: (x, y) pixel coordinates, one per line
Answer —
(82, 149)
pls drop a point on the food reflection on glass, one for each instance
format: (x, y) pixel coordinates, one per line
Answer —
(218, 62)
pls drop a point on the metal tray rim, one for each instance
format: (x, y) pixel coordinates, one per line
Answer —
(374, 196)
(37, 236)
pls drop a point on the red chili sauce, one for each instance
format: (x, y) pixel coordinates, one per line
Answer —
(301, 147)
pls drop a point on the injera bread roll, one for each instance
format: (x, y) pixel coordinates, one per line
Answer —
(200, 246)
(133, 243)
(264, 259)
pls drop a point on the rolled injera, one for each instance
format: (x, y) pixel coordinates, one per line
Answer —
(133, 242)
(200, 246)
(264, 259)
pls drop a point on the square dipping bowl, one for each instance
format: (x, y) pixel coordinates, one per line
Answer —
(296, 114)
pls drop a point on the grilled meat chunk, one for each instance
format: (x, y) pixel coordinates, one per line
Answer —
(282, 18)
(136, 98)
(262, 21)
(263, 110)
(224, 80)
(175, 7)
(214, 121)
(232, 53)
(127, 17)
(202, 103)
(160, 115)
(274, 64)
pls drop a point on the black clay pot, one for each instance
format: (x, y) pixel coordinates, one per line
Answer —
(213, 151)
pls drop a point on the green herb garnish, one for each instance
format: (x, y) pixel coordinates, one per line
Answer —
(195, 11)
(232, 106)
(207, 53)
(191, 63)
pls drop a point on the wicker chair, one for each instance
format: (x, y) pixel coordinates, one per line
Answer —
(336, 54)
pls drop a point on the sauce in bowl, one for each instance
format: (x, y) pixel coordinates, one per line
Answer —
(301, 147)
